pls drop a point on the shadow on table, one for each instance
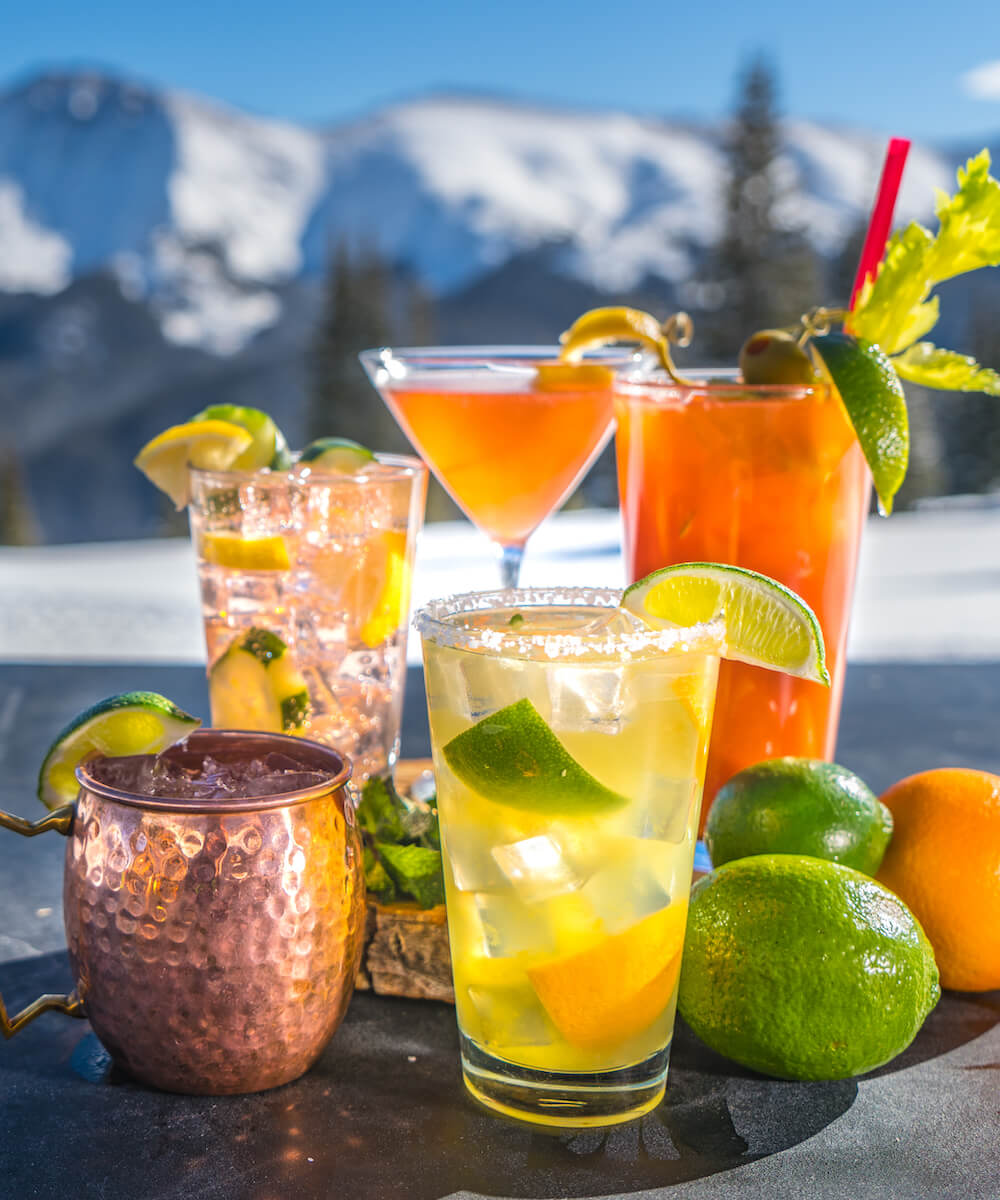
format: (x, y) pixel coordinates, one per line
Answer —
(383, 1114)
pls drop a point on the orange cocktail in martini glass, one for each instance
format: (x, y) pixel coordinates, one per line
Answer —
(508, 434)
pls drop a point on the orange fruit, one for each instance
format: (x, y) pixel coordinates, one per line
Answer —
(618, 987)
(944, 863)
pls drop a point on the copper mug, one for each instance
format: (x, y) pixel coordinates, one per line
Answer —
(214, 943)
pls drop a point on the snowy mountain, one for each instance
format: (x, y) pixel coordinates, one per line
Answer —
(207, 213)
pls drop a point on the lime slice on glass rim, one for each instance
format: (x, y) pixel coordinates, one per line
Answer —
(255, 684)
(873, 397)
(268, 448)
(131, 723)
(207, 445)
(767, 624)
(337, 454)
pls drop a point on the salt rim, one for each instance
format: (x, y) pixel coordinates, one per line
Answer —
(436, 622)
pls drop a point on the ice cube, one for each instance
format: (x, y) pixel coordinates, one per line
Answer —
(473, 867)
(670, 807)
(591, 699)
(510, 927)
(537, 868)
(637, 882)
(512, 1016)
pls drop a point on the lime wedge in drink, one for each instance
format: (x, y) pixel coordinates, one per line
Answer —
(514, 758)
(337, 454)
(132, 723)
(256, 685)
(209, 445)
(767, 624)
(268, 448)
(873, 396)
(268, 553)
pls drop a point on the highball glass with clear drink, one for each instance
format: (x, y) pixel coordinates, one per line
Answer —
(305, 588)
(569, 744)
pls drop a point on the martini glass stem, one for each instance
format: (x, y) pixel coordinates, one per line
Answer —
(510, 564)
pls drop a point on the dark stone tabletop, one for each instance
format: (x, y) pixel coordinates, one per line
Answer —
(384, 1115)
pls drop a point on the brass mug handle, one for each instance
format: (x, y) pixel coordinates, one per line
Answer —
(61, 820)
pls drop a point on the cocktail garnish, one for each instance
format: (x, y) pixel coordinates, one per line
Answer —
(767, 624)
(130, 723)
(514, 758)
(256, 685)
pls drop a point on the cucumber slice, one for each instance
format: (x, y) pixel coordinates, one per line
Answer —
(256, 685)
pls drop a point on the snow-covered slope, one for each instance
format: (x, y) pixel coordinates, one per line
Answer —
(204, 210)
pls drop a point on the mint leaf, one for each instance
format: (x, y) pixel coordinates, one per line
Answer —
(377, 880)
(927, 365)
(414, 869)
(381, 812)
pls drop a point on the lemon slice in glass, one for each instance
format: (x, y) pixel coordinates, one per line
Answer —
(267, 553)
(208, 445)
(767, 624)
(131, 723)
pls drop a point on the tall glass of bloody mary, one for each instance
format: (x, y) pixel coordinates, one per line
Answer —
(771, 478)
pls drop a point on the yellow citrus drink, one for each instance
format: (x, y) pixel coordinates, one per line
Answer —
(569, 743)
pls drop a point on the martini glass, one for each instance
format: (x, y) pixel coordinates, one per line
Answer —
(507, 443)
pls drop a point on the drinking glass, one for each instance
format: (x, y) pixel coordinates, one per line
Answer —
(769, 478)
(321, 562)
(569, 745)
(507, 448)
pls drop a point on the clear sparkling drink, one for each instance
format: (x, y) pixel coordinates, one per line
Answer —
(305, 587)
(569, 747)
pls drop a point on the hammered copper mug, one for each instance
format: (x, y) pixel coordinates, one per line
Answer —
(214, 943)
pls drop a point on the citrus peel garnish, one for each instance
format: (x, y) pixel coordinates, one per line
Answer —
(610, 326)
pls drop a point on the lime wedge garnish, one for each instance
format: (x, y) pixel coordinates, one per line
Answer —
(209, 445)
(267, 553)
(514, 758)
(132, 723)
(268, 449)
(256, 685)
(767, 624)
(873, 396)
(337, 454)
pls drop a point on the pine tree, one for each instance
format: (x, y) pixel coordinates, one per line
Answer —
(763, 272)
(18, 525)
(356, 316)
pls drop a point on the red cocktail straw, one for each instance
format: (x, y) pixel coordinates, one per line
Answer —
(881, 218)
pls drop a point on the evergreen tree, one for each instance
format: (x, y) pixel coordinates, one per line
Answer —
(356, 316)
(763, 273)
(973, 419)
(18, 525)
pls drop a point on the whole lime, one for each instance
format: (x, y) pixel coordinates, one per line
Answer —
(804, 969)
(799, 806)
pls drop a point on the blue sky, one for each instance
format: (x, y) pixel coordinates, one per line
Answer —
(318, 61)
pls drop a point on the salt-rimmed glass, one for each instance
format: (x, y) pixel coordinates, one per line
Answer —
(568, 823)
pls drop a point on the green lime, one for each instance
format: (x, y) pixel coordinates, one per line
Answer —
(256, 685)
(337, 454)
(804, 969)
(514, 758)
(132, 723)
(268, 448)
(766, 623)
(799, 806)
(873, 396)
